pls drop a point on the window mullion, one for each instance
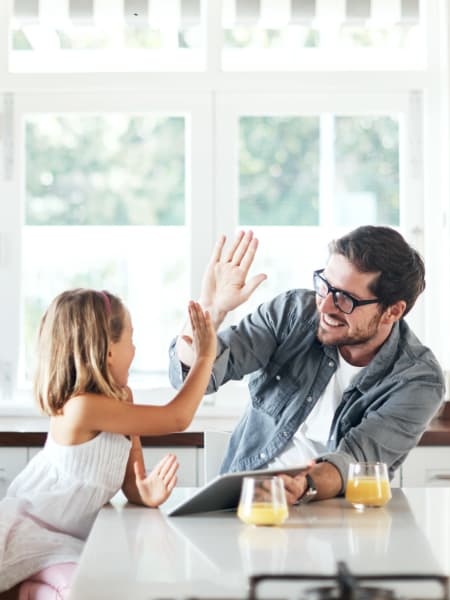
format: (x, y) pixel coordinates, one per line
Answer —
(213, 35)
(199, 189)
(10, 235)
(326, 171)
(4, 38)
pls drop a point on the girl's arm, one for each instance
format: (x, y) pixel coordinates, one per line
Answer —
(95, 412)
(151, 490)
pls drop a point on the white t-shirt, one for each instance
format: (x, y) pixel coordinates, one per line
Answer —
(311, 437)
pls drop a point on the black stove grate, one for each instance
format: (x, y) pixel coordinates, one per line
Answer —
(347, 586)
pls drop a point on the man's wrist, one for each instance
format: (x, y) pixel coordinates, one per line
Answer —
(217, 316)
(310, 491)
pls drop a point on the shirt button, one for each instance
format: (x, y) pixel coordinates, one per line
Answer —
(331, 363)
(285, 434)
(277, 377)
(309, 399)
(262, 455)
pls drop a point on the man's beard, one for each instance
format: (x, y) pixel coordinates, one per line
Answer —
(359, 337)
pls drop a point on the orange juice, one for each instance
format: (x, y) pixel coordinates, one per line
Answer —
(263, 513)
(368, 491)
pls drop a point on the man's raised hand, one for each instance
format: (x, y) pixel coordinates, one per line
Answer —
(225, 285)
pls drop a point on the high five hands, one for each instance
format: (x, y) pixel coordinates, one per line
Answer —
(225, 285)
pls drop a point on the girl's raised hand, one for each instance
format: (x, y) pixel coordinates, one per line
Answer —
(157, 486)
(204, 339)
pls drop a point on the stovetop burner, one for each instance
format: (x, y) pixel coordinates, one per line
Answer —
(346, 586)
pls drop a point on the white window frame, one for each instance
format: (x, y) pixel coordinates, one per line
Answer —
(214, 99)
(199, 214)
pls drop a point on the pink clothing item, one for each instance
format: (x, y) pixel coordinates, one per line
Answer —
(52, 583)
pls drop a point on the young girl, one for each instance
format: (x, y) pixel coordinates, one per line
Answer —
(92, 449)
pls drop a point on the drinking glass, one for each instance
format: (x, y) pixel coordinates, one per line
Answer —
(368, 485)
(263, 501)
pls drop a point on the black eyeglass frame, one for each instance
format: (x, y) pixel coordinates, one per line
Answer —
(334, 291)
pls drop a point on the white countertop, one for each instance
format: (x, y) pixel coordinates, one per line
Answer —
(140, 553)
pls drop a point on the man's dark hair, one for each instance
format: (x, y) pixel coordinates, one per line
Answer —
(375, 249)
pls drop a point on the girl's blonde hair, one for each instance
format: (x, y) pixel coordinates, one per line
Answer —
(74, 338)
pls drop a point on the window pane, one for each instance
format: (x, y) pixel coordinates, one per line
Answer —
(105, 170)
(29, 37)
(288, 255)
(273, 35)
(278, 164)
(342, 36)
(90, 181)
(305, 180)
(108, 37)
(367, 171)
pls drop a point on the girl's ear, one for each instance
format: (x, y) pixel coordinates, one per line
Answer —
(394, 312)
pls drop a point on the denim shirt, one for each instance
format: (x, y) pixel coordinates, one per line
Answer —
(381, 416)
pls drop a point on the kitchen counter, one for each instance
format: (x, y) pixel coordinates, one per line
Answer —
(139, 553)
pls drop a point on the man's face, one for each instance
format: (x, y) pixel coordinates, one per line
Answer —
(362, 326)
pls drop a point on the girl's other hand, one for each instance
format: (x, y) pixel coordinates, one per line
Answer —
(204, 339)
(157, 486)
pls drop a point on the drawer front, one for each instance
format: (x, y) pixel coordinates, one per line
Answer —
(437, 477)
(32, 452)
(14, 460)
(428, 467)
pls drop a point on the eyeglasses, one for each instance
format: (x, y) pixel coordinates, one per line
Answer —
(342, 300)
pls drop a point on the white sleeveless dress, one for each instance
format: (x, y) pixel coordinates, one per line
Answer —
(52, 504)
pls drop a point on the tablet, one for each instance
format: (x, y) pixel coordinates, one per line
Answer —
(222, 492)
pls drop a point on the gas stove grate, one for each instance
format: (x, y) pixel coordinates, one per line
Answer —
(347, 586)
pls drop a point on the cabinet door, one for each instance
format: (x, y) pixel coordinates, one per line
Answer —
(216, 443)
(427, 466)
(33, 451)
(397, 480)
(188, 475)
(12, 461)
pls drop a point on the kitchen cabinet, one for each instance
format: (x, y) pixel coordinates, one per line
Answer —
(199, 454)
(189, 460)
(12, 461)
(427, 466)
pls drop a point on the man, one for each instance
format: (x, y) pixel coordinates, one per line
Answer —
(337, 374)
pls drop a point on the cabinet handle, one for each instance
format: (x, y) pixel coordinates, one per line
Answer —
(441, 477)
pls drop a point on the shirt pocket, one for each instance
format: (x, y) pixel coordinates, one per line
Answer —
(272, 393)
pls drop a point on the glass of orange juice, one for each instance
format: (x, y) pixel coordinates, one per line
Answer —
(368, 485)
(262, 501)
